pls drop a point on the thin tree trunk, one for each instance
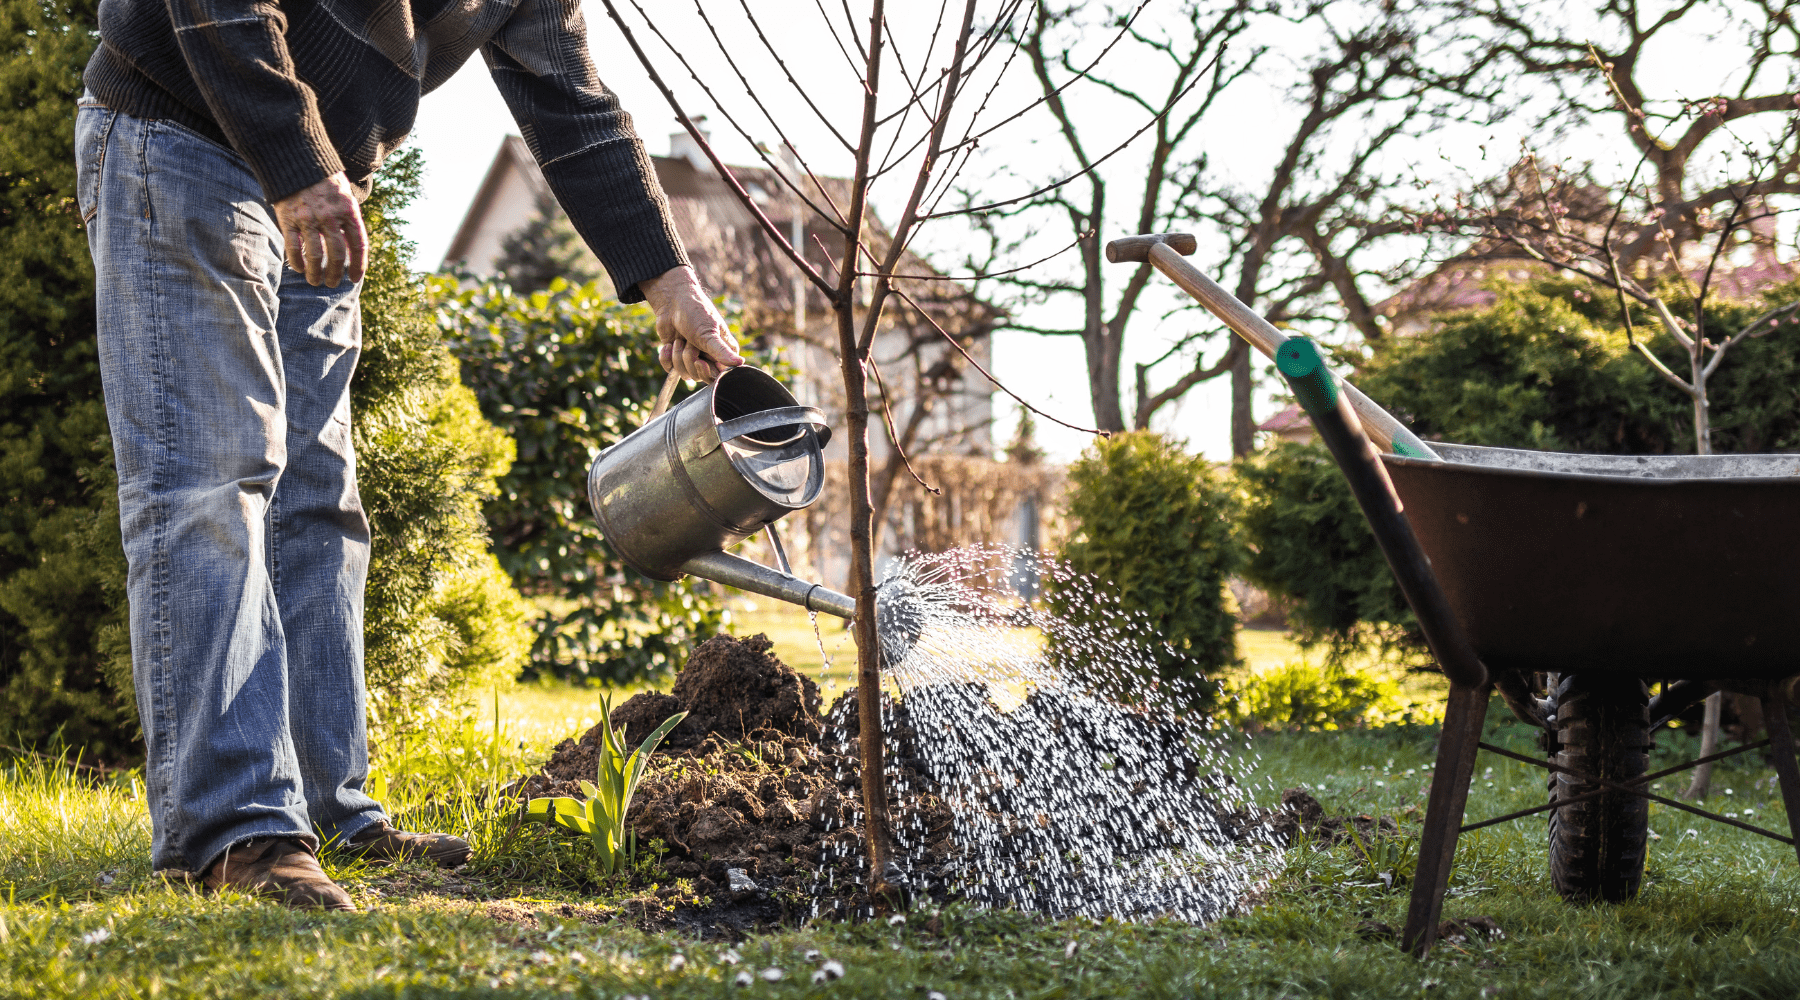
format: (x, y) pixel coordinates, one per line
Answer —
(1100, 341)
(1709, 744)
(853, 354)
(1243, 419)
(1701, 786)
(862, 580)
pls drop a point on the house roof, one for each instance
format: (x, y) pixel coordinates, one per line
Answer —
(512, 160)
(1290, 419)
(728, 247)
(1586, 211)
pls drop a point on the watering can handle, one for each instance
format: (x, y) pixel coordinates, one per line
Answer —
(667, 394)
(763, 420)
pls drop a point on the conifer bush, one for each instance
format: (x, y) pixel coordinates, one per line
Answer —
(65, 665)
(441, 617)
(1152, 525)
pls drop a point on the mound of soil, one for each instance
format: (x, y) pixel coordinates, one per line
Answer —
(757, 798)
(729, 688)
(749, 781)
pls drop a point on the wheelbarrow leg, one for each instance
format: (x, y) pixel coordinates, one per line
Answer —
(1463, 718)
(1781, 745)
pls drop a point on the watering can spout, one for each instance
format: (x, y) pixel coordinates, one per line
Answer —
(736, 571)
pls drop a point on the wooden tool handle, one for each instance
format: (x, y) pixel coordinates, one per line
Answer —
(1165, 252)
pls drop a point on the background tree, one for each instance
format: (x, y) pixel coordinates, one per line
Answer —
(1192, 54)
(1300, 240)
(1686, 157)
(568, 371)
(1297, 236)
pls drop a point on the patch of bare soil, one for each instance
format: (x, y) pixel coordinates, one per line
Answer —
(1301, 815)
(754, 804)
(730, 689)
(757, 798)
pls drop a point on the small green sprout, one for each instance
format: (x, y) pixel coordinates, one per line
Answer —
(602, 816)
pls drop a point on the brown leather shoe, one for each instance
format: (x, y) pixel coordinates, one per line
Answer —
(379, 841)
(279, 868)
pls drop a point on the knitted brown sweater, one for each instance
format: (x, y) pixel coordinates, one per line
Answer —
(304, 88)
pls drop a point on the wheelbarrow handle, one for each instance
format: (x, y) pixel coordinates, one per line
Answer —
(1165, 251)
(1300, 363)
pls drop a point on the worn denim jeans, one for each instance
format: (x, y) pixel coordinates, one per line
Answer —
(227, 384)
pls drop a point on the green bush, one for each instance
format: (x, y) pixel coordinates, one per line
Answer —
(441, 618)
(1532, 371)
(1152, 525)
(568, 371)
(1308, 541)
(1303, 695)
(65, 662)
(1548, 366)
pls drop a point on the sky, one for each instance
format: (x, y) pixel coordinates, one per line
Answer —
(461, 125)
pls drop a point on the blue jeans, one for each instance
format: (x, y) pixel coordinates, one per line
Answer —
(227, 382)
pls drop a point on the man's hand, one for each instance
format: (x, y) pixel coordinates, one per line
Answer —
(323, 229)
(695, 343)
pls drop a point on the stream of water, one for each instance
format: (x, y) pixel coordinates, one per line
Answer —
(1075, 786)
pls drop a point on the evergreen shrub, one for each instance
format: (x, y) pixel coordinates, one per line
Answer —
(441, 617)
(568, 371)
(65, 662)
(1151, 526)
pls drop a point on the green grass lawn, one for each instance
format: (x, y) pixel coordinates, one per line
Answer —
(1719, 915)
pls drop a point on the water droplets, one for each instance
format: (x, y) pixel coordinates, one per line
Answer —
(1074, 785)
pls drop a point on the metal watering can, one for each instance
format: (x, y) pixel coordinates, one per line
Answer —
(723, 464)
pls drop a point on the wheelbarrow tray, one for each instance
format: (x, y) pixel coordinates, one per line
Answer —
(1663, 566)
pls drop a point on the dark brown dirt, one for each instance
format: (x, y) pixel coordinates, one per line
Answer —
(732, 688)
(754, 779)
(1301, 815)
(751, 781)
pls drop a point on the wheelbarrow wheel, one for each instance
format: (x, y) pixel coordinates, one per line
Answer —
(1602, 728)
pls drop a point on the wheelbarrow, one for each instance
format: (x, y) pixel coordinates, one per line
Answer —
(1569, 584)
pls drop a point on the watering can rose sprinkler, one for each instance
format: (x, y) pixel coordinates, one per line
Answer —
(726, 462)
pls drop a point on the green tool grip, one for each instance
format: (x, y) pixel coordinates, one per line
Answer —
(1298, 359)
(1405, 450)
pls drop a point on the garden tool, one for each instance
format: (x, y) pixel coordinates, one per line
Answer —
(1165, 251)
(721, 465)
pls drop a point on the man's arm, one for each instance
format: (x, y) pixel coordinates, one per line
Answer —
(604, 179)
(584, 142)
(238, 54)
(695, 342)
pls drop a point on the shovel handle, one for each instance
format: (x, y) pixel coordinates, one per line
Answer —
(1165, 252)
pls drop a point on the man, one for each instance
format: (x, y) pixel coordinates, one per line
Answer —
(218, 139)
